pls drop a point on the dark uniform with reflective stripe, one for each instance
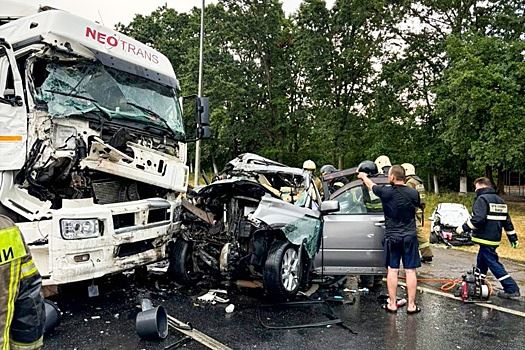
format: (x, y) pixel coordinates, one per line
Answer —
(22, 313)
(489, 215)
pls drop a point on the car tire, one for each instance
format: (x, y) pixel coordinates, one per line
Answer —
(282, 274)
(181, 267)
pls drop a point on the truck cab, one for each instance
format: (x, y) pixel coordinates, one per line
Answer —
(92, 145)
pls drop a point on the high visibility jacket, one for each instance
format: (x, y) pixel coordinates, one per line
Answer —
(22, 314)
(489, 215)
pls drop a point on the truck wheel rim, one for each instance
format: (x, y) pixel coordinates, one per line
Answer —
(289, 270)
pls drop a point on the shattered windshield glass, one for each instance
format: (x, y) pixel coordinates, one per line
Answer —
(73, 89)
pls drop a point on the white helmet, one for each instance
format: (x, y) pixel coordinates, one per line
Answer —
(410, 170)
(309, 165)
(382, 161)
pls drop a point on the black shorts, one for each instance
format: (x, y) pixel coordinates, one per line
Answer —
(402, 248)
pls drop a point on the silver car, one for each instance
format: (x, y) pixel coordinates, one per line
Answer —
(265, 222)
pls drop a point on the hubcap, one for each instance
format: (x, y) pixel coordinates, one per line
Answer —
(290, 270)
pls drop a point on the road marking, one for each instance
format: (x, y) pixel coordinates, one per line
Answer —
(200, 337)
(488, 306)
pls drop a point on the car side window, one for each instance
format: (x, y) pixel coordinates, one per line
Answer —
(351, 202)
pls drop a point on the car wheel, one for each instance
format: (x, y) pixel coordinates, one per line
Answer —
(181, 268)
(282, 270)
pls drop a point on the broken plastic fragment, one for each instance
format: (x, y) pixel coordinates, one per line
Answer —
(229, 309)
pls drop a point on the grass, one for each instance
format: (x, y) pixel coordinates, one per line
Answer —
(517, 212)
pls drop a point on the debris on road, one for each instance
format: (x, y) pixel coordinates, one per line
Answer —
(229, 309)
(152, 322)
(212, 297)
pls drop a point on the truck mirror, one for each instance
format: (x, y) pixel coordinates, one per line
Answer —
(202, 111)
(202, 118)
(203, 132)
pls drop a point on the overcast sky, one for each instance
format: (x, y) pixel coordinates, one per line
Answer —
(114, 11)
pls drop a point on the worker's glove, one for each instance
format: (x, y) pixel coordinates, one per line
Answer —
(459, 230)
(515, 244)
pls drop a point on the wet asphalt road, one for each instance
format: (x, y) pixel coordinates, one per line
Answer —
(107, 322)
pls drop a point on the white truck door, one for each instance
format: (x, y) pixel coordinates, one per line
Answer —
(13, 115)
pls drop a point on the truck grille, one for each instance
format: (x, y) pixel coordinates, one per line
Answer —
(107, 192)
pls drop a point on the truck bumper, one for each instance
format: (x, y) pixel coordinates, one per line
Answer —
(132, 234)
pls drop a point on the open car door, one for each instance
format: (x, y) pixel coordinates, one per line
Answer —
(353, 236)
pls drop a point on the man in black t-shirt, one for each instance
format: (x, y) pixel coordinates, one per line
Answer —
(399, 205)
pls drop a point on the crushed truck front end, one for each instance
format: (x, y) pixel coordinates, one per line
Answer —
(101, 161)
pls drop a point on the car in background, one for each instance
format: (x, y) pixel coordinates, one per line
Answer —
(444, 221)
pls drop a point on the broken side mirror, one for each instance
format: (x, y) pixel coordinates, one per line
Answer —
(328, 207)
(202, 116)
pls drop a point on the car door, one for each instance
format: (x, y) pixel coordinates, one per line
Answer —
(353, 236)
(13, 115)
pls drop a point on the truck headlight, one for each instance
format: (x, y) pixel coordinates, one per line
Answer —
(80, 229)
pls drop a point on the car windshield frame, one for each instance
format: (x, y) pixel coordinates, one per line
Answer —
(73, 89)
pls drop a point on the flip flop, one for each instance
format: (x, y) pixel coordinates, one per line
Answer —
(389, 310)
(416, 311)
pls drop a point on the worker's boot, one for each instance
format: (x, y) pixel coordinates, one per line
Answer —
(505, 295)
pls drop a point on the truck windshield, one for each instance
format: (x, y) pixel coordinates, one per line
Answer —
(81, 87)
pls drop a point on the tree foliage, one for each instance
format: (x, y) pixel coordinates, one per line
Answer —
(438, 83)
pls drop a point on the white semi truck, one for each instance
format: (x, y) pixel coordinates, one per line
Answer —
(92, 145)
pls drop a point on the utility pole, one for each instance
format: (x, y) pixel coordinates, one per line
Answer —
(201, 58)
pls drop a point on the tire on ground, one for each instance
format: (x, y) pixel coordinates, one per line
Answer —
(181, 266)
(276, 267)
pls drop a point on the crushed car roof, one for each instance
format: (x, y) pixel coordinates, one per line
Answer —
(249, 162)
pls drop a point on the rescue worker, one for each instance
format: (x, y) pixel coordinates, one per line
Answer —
(413, 181)
(333, 184)
(310, 166)
(489, 215)
(22, 314)
(383, 164)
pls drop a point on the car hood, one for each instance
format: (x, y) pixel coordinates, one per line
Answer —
(451, 214)
(299, 225)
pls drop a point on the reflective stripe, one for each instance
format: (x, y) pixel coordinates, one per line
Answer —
(484, 241)
(36, 345)
(424, 245)
(497, 217)
(28, 269)
(10, 138)
(503, 278)
(11, 245)
(511, 233)
(11, 295)
(470, 224)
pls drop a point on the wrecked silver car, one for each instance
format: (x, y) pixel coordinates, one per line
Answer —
(259, 220)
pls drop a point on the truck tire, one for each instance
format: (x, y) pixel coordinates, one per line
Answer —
(181, 267)
(282, 271)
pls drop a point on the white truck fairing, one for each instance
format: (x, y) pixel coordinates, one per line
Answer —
(92, 145)
(77, 35)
